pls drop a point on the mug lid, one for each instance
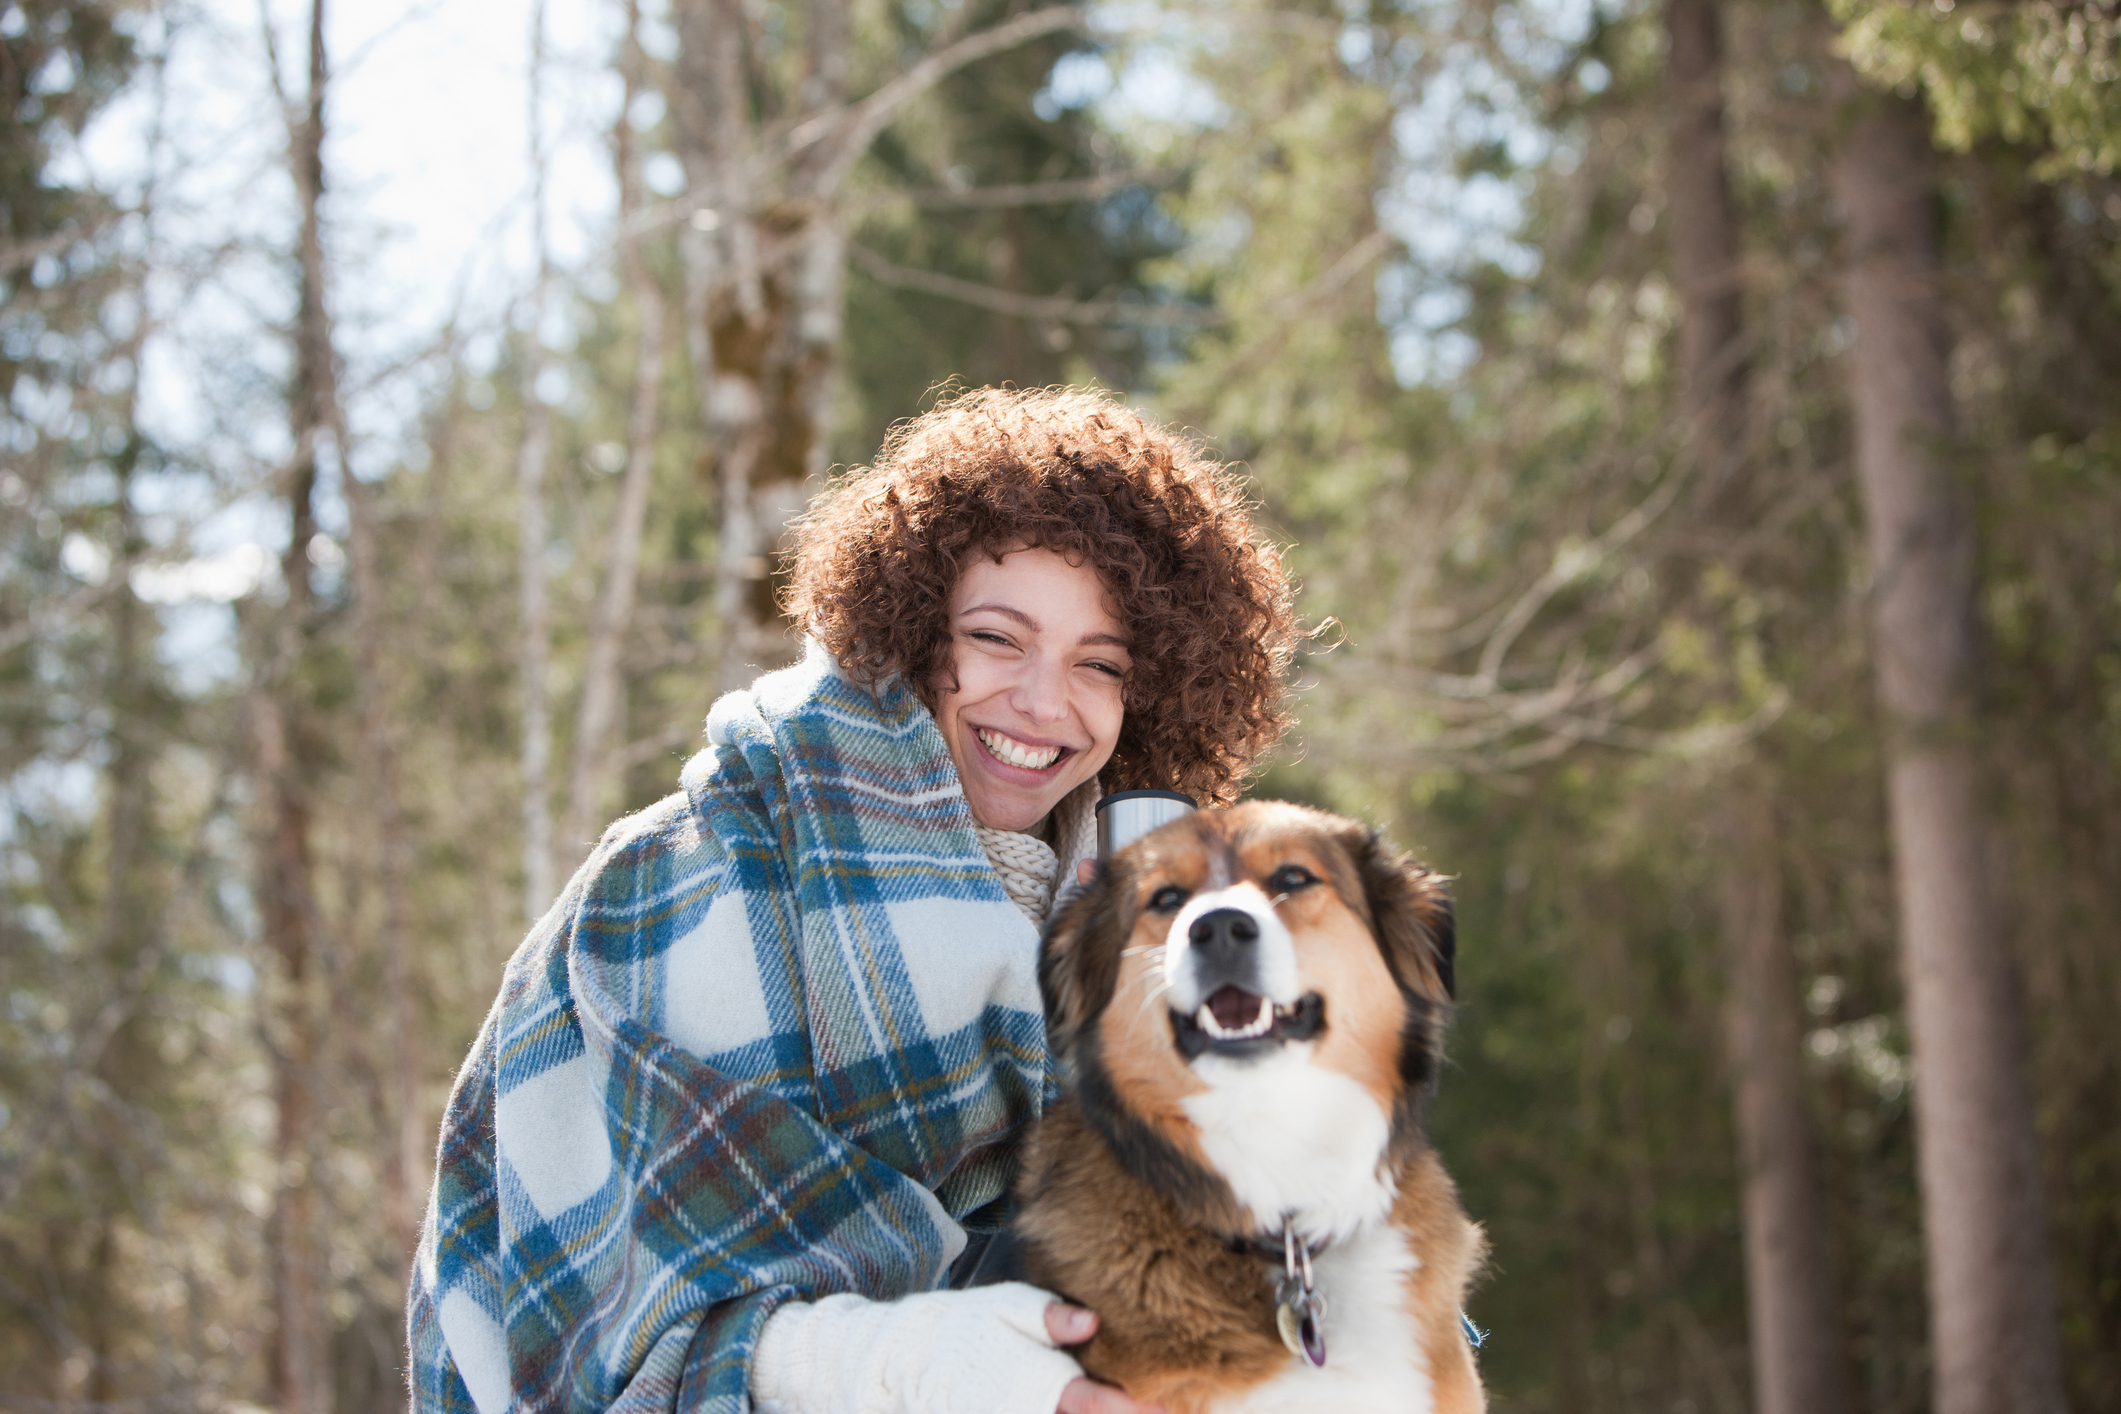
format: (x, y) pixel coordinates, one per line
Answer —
(1120, 795)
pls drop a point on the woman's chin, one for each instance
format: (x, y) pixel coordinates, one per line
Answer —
(1009, 805)
(1013, 813)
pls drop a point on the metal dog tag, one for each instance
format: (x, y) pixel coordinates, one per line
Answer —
(1300, 1316)
(1299, 1311)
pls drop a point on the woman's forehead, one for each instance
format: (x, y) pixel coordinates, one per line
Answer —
(1042, 589)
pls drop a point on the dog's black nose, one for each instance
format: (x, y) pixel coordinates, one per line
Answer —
(1223, 929)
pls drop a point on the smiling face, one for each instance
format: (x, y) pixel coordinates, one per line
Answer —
(1039, 660)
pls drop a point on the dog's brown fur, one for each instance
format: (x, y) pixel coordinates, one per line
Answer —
(1118, 1208)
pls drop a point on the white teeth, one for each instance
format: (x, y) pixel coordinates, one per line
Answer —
(1257, 1026)
(1015, 753)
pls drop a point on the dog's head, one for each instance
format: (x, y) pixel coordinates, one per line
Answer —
(1252, 1004)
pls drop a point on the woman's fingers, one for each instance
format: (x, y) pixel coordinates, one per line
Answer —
(1085, 871)
(1070, 1325)
(1090, 1397)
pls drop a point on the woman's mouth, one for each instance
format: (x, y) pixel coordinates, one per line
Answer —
(1022, 755)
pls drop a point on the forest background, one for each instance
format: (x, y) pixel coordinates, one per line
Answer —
(1699, 418)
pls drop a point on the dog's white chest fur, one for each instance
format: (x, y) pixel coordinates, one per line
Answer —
(1373, 1360)
(1294, 1141)
(1302, 1144)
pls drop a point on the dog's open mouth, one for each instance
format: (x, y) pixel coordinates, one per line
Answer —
(1235, 1022)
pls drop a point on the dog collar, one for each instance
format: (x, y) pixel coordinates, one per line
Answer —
(1300, 1308)
(1271, 1247)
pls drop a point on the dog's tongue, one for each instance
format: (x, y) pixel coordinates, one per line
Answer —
(1234, 1007)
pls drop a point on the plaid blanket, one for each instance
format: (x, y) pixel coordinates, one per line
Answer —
(777, 1039)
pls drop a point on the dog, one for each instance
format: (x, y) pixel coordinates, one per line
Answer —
(1250, 1006)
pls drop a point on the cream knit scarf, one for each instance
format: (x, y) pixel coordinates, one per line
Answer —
(1036, 874)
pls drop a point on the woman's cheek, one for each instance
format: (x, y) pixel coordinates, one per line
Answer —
(1111, 714)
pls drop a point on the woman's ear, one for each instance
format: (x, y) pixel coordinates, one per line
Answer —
(1411, 909)
(1078, 959)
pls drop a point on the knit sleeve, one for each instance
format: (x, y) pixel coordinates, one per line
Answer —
(984, 1351)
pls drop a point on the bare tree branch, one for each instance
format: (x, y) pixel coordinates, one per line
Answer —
(52, 615)
(851, 131)
(598, 710)
(1004, 196)
(14, 257)
(648, 748)
(532, 454)
(1571, 564)
(1054, 309)
(1284, 313)
(412, 16)
(1010, 194)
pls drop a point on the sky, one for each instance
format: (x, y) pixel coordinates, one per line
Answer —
(428, 156)
(432, 143)
(428, 161)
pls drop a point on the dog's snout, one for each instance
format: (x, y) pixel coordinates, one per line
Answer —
(1223, 929)
(1229, 938)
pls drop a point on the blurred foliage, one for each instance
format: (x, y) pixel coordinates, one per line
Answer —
(130, 1163)
(975, 133)
(2041, 73)
(1430, 491)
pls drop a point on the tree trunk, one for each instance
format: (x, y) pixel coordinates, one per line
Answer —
(404, 1134)
(1795, 1336)
(533, 531)
(130, 902)
(1993, 1339)
(1702, 229)
(287, 899)
(764, 334)
(1790, 1301)
(599, 709)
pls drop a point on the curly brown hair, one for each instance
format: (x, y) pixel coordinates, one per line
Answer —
(1206, 599)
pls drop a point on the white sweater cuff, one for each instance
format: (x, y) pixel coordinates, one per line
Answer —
(982, 1351)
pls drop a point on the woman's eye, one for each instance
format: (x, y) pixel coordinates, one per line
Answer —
(1108, 669)
(1168, 899)
(1289, 878)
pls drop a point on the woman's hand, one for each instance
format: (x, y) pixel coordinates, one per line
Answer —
(1072, 1325)
(984, 1350)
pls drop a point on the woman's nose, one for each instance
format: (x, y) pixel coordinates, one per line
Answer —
(1042, 690)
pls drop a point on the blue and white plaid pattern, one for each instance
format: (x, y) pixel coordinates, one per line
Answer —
(777, 1039)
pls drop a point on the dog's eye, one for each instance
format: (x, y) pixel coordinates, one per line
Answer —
(1168, 899)
(1289, 878)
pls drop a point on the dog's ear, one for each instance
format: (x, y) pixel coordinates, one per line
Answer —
(1078, 958)
(1411, 909)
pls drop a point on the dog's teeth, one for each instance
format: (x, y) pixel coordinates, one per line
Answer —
(1259, 1025)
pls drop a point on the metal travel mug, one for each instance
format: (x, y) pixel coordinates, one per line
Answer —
(1125, 816)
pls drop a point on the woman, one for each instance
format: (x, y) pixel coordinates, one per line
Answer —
(767, 1060)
